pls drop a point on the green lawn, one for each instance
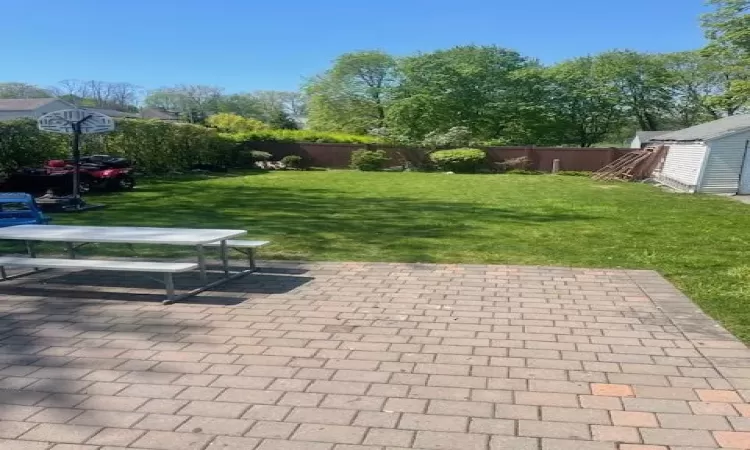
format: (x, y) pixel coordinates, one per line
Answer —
(699, 242)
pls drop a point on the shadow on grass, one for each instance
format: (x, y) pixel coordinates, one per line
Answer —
(314, 221)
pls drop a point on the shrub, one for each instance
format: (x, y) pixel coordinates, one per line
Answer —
(233, 123)
(258, 155)
(462, 160)
(159, 147)
(292, 162)
(23, 144)
(574, 173)
(524, 172)
(369, 160)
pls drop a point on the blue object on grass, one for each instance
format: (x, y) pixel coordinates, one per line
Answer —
(19, 208)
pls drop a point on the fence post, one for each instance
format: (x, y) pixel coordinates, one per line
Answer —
(555, 165)
(529, 154)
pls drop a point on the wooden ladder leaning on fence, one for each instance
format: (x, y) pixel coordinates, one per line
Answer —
(633, 166)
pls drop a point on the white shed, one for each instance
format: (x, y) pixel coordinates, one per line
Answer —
(711, 157)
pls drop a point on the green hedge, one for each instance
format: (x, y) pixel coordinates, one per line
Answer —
(23, 144)
(155, 146)
(305, 136)
(460, 160)
(369, 160)
(158, 147)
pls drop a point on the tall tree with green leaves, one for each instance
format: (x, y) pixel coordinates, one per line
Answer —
(701, 85)
(644, 83)
(194, 102)
(354, 95)
(580, 106)
(468, 86)
(728, 31)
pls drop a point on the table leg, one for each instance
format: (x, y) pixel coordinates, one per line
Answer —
(31, 252)
(30, 249)
(169, 285)
(71, 250)
(201, 262)
(225, 258)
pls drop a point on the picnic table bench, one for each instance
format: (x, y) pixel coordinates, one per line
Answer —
(76, 236)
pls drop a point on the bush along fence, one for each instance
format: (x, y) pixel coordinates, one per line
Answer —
(159, 147)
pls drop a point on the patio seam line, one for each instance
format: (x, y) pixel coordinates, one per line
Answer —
(675, 312)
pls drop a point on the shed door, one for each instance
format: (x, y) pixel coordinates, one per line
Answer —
(744, 188)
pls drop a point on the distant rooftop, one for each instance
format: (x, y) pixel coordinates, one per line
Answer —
(23, 104)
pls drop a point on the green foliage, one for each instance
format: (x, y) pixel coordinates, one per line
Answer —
(574, 173)
(280, 120)
(293, 162)
(354, 95)
(580, 104)
(369, 160)
(728, 31)
(303, 136)
(462, 160)
(159, 147)
(233, 123)
(467, 86)
(23, 144)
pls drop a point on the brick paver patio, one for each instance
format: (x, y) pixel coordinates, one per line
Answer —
(353, 356)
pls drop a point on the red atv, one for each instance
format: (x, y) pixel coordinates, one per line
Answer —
(98, 172)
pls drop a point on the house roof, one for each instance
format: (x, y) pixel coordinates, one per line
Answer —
(645, 136)
(24, 104)
(158, 113)
(112, 112)
(710, 130)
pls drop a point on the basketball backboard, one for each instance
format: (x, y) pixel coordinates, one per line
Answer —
(62, 121)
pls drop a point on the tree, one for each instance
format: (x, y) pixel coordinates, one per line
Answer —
(728, 31)
(22, 90)
(282, 120)
(245, 105)
(194, 102)
(120, 96)
(644, 83)
(468, 86)
(354, 94)
(701, 88)
(580, 106)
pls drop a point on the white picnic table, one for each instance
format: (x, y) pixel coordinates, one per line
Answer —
(82, 235)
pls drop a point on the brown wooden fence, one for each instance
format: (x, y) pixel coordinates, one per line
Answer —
(339, 155)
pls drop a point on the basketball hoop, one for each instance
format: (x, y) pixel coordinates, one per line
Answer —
(76, 122)
(64, 122)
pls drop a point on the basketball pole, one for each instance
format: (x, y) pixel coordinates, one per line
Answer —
(77, 160)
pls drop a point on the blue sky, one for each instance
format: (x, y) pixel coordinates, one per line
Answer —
(246, 45)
